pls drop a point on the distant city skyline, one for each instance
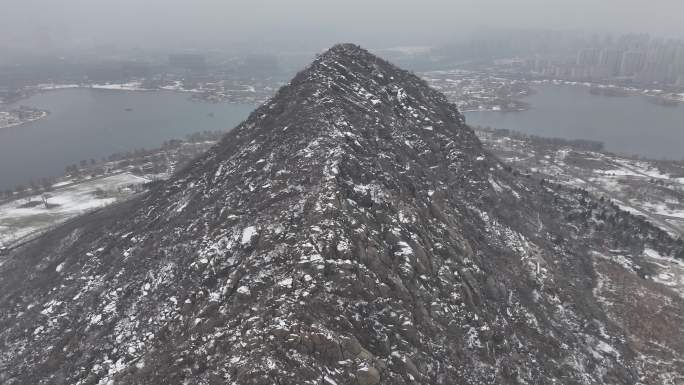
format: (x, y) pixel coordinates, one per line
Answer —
(634, 57)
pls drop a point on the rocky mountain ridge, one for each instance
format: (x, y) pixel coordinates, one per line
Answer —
(351, 231)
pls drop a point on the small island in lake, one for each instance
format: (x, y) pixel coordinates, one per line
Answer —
(664, 101)
(21, 115)
(609, 91)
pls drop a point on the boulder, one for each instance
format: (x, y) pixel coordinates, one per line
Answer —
(368, 375)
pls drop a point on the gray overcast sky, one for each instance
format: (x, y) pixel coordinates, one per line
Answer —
(216, 23)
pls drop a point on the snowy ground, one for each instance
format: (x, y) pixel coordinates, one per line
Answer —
(643, 187)
(131, 86)
(476, 91)
(637, 186)
(19, 219)
(670, 271)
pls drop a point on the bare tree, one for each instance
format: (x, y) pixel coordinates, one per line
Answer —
(45, 198)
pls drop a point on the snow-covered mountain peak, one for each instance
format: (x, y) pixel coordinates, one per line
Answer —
(351, 231)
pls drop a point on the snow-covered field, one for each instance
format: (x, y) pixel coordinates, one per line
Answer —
(131, 86)
(638, 186)
(670, 271)
(19, 219)
(614, 180)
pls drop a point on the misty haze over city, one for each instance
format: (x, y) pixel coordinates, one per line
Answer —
(307, 24)
(379, 192)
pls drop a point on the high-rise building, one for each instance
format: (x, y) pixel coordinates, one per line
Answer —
(653, 72)
(679, 60)
(588, 57)
(680, 81)
(665, 54)
(680, 55)
(609, 62)
(632, 63)
(634, 42)
(540, 64)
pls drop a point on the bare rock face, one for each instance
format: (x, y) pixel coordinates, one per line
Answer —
(351, 231)
(368, 376)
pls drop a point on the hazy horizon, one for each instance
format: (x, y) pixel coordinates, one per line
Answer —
(307, 24)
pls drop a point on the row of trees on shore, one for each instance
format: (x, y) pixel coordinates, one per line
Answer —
(140, 160)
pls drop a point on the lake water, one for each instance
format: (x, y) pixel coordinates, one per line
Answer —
(629, 125)
(86, 123)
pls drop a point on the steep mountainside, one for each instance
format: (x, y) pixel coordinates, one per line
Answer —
(351, 231)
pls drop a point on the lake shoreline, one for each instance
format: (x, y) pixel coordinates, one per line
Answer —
(86, 124)
(632, 124)
(201, 94)
(613, 90)
(43, 115)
